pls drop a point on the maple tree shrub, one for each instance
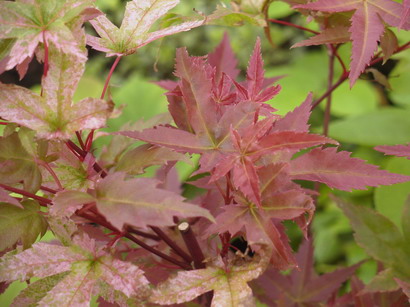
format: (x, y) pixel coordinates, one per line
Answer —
(132, 240)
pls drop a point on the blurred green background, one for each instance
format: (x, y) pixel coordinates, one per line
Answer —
(366, 116)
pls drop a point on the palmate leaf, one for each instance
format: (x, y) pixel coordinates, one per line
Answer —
(140, 203)
(139, 16)
(303, 287)
(54, 115)
(17, 164)
(338, 170)
(366, 26)
(396, 150)
(336, 35)
(383, 241)
(73, 274)
(229, 283)
(21, 224)
(29, 22)
(257, 225)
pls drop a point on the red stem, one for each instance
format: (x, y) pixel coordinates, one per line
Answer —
(42, 200)
(90, 136)
(3, 123)
(172, 244)
(143, 234)
(107, 81)
(81, 154)
(52, 173)
(80, 140)
(345, 75)
(135, 240)
(46, 189)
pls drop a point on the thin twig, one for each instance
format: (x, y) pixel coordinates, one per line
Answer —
(175, 247)
(100, 221)
(42, 200)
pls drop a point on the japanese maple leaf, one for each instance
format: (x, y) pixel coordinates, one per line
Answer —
(26, 24)
(228, 282)
(360, 298)
(17, 164)
(260, 226)
(406, 13)
(139, 16)
(53, 115)
(338, 170)
(396, 150)
(303, 286)
(255, 88)
(336, 35)
(383, 241)
(70, 275)
(23, 224)
(251, 146)
(366, 26)
(135, 202)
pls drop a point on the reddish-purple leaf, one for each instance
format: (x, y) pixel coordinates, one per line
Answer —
(67, 202)
(406, 13)
(285, 140)
(338, 170)
(296, 120)
(366, 27)
(303, 286)
(224, 60)
(337, 35)
(177, 139)
(140, 203)
(396, 150)
(196, 88)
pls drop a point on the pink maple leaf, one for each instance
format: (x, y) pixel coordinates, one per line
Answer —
(366, 26)
(396, 150)
(134, 33)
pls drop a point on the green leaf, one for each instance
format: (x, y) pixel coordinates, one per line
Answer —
(383, 281)
(224, 16)
(389, 200)
(16, 164)
(379, 237)
(388, 126)
(23, 225)
(37, 290)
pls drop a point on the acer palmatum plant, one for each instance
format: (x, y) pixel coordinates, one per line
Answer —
(135, 241)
